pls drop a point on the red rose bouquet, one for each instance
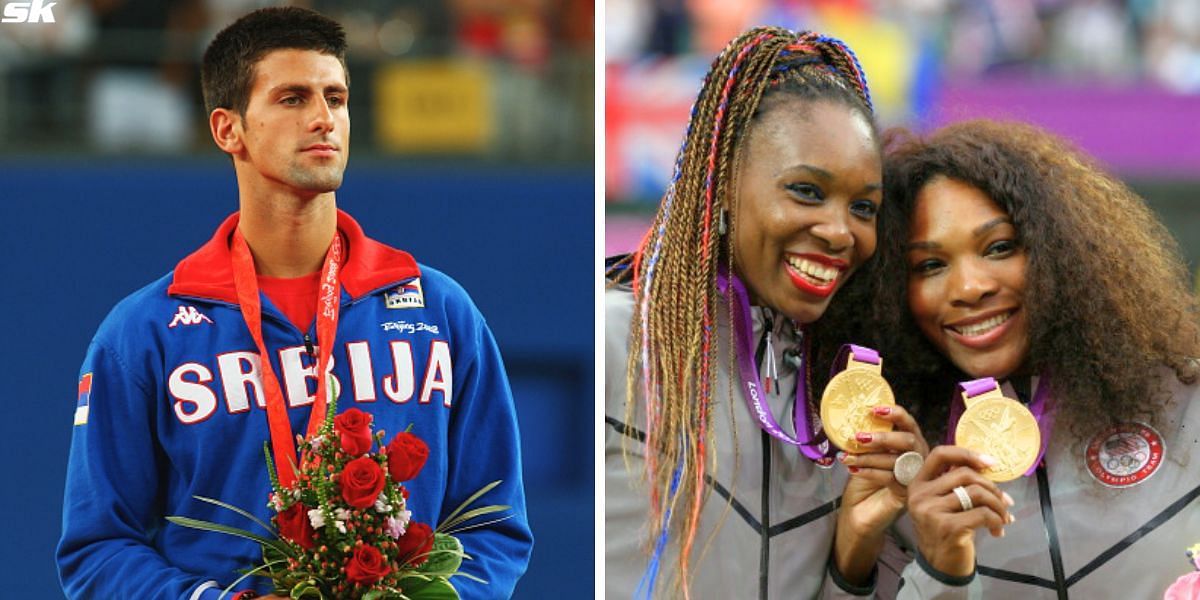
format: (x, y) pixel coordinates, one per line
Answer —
(344, 530)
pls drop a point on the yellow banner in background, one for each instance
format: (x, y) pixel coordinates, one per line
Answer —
(434, 106)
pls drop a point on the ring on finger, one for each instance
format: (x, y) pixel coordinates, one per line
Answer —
(964, 499)
(906, 467)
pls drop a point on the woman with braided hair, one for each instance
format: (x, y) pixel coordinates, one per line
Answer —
(722, 319)
(1009, 264)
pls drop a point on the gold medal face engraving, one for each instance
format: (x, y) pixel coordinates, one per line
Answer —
(847, 402)
(1002, 428)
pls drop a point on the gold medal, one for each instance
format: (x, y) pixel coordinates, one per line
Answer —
(846, 405)
(1002, 428)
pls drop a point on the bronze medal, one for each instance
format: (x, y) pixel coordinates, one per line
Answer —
(846, 405)
(1002, 428)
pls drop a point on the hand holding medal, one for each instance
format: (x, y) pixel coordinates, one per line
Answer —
(885, 451)
(848, 404)
(995, 439)
(999, 427)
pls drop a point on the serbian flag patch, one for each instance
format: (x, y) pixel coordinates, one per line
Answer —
(407, 295)
(85, 397)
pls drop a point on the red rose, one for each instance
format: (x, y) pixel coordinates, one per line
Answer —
(415, 544)
(406, 455)
(362, 480)
(354, 429)
(294, 525)
(366, 565)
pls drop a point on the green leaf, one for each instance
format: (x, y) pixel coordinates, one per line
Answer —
(438, 589)
(271, 474)
(454, 515)
(471, 514)
(242, 533)
(372, 595)
(421, 588)
(238, 511)
(445, 557)
(249, 573)
(460, 529)
(470, 576)
(306, 589)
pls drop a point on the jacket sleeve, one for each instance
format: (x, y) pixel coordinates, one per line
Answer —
(112, 503)
(485, 447)
(835, 586)
(920, 580)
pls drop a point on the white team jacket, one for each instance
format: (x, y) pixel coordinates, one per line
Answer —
(774, 540)
(1121, 538)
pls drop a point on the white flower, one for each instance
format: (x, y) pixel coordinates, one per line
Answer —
(316, 518)
(404, 516)
(381, 505)
(393, 527)
(316, 441)
(341, 515)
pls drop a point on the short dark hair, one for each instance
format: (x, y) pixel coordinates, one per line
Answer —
(228, 69)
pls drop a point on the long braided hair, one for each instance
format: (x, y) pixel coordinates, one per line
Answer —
(674, 270)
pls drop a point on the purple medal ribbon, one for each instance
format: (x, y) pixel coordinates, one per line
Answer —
(862, 354)
(1042, 413)
(809, 433)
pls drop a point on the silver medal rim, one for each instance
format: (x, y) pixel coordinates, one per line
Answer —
(907, 466)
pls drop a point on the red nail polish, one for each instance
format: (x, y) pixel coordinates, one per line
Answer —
(852, 469)
(883, 410)
(863, 438)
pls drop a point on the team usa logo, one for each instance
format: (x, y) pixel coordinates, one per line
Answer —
(1125, 455)
(406, 295)
(188, 315)
(85, 399)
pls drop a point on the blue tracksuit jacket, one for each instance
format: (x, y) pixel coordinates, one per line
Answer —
(170, 406)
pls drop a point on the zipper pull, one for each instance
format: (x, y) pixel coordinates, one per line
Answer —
(308, 345)
(772, 372)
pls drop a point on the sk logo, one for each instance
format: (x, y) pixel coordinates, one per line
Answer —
(188, 315)
(28, 12)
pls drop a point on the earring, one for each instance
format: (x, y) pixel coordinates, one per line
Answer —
(722, 228)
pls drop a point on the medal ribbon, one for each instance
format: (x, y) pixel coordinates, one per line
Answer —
(1040, 407)
(862, 354)
(245, 281)
(809, 435)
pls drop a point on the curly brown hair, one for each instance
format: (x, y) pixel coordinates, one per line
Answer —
(1106, 289)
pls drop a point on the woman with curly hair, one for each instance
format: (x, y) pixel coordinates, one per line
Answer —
(1007, 254)
(718, 324)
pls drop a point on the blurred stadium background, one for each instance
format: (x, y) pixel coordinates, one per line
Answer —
(1121, 79)
(472, 149)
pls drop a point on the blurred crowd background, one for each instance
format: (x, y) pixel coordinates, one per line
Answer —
(1120, 79)
(509, 80)
(473, 133)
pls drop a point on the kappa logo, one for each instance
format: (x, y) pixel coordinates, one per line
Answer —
(407, 295)
(28, 12)
(188, 315)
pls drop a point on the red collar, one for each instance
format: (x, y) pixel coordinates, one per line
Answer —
(370, 265)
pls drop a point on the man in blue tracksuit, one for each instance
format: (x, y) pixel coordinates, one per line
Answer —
(174, 394)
